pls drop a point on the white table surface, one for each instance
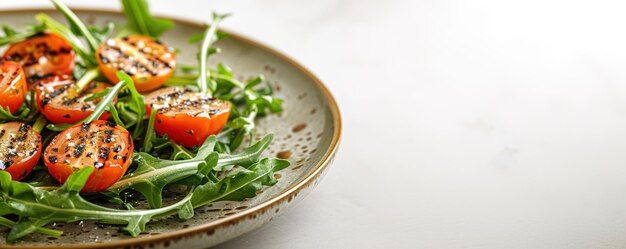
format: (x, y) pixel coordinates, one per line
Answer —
(467, 124)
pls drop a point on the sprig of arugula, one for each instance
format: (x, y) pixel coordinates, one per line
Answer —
(37, 207)
(140, 20)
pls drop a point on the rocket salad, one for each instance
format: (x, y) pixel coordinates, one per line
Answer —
(89, 114)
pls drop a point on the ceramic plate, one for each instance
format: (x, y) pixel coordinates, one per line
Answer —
(307, 133)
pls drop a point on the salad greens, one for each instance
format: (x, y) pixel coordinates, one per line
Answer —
(218, 170)
(141, 21)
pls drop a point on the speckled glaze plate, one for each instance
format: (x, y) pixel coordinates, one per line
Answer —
(307, 133)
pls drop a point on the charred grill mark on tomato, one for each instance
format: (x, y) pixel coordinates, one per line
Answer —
(38, 77)
(188, 118)
(175, 100)
(85, 127)
(150, 63)
(20, 147)
(104, 153)
(43, 55)
(137, 58)
(100, 144)
(61, 101)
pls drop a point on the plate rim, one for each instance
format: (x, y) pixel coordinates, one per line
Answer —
(323, 164)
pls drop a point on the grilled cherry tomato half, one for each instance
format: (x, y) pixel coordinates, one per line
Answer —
(148, 61)
(20, 147)
(60, 100)
(102, 144)
(42, 55)
(187, 117)
(13, 86)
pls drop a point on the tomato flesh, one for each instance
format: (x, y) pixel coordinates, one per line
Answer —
(102, 144)
(188, 118)
(20, 147)
(60, 100)
(148, 61)
(13, 85)
(42, 55)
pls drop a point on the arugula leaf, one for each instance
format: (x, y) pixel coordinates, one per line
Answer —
(153, 174)
(200, 36)
(8, 31)
(136, 103)
(247, 157)
(10, 224)
(141, 21)
(13, 36)
(26, 113)
(239, 185)
(37, 207)
(102, 34)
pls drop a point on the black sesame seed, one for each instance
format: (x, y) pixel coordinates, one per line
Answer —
(24, 128)
(85, 127)
(7, 163)
(45, 101)
(78, 150)
(104, 153)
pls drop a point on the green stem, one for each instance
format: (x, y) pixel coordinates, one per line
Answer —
(115, 115)
(147, 143)
(101, 107)
(189, 79)
(40, 123)
(47, 231)
(89, 76)
(209, 35)
(180, 81)
(77, 45)
(99, 213)
(225, 132)
(183, 169)
(72, 18)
